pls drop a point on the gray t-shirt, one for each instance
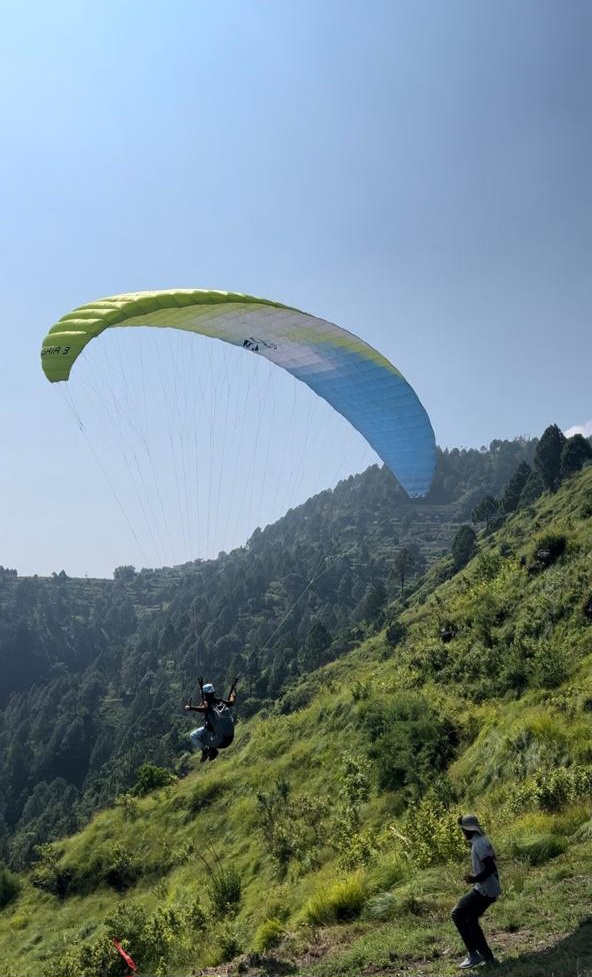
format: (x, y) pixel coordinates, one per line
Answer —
(481, 848)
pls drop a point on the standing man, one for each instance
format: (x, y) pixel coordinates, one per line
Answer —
(486, 888)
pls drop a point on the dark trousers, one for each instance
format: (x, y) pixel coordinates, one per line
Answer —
(466, 915)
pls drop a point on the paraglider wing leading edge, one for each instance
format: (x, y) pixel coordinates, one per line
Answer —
(338, 366)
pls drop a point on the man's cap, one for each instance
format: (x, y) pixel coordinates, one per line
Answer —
(470, 822)
(208, 689)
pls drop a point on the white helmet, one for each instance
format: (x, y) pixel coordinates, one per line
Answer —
(208, 689)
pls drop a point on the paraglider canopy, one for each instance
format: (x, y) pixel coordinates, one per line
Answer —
(354, 378)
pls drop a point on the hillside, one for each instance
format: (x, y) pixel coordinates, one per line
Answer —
(95, 672)
(324, 842)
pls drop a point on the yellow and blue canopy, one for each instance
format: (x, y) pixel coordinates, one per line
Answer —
(348, 373)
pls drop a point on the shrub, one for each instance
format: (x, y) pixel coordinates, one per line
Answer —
(356, 844)
(268, 935)
(295, 699)
(413, 905)
(224, 888)
(338, 903)
(381, 907)
(128, 921)
(355, 848)
(431, 834)
(18, 922)
(9, 886)
(555, 790)
(155, 937)
(412, 743)
(523, 797)
(151, 778)
(48, 874)
(120, 869)
(548, 548)
(489, 565)
(228, 942)
(77, 959)
(390, 872)
(584, 832)
(552, 790)
(361, 690)
(129, 806)
(292, 827)
(158, 940)
(464, 546)
(548, 667)
(395, 633)
(539, 849)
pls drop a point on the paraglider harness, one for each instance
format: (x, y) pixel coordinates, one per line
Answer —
(219, 719)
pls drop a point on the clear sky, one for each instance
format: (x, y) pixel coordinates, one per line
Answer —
(417, 171)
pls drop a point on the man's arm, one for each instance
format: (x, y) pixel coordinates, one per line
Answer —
(490, 868)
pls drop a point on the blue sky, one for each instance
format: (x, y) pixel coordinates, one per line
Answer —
(418, 172)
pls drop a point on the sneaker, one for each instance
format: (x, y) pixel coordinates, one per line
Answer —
(473, 959)
(213, 753)
(204, 755)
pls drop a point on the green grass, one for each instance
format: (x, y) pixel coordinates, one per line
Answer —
(365, 886)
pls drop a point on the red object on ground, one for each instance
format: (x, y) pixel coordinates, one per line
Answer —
(126, 956)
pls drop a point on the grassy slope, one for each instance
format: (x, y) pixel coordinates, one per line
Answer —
(506, 769)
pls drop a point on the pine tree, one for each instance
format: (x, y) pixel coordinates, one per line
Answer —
(485, 510)
(403, 563)
(318, 640)
(464, 545)
(547, 458)
(515, 487)
(532, 490)
(576, 451)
